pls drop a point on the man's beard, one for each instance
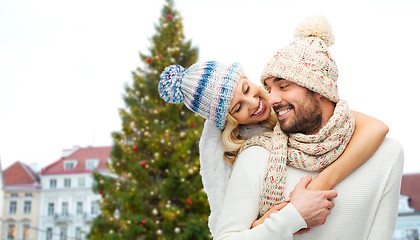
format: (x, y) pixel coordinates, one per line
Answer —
(307, 118)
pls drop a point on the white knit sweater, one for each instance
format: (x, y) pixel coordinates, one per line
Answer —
(366, 206)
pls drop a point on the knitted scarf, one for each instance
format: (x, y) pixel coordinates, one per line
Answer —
(308, 152)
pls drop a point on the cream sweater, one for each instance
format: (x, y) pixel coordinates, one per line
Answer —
(366, 206)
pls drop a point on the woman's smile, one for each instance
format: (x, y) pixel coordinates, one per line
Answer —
(260, 110)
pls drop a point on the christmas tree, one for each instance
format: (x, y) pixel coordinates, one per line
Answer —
(154, 189)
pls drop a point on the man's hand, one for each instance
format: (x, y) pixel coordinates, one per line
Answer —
(313, 206)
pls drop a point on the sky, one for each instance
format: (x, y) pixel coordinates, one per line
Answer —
(64, 64)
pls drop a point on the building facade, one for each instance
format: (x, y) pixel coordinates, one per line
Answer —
(20, 203)
(67, 203)
(408, 222)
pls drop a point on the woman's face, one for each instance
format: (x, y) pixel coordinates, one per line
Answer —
(248, 104)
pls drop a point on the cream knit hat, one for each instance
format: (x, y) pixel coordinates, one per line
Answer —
(307, 60)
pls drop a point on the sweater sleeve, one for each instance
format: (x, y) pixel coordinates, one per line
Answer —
(386, 216)
(214, 170)
(241, 204)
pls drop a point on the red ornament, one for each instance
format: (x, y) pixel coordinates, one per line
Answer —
(169, 16)
(193, 125)
(143, 163)
(160, 56)
(100, 192)
(189, 201)
(135, 148)
(148, 60)
(143, 222)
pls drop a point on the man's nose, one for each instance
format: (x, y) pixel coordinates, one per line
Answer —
(274, 98)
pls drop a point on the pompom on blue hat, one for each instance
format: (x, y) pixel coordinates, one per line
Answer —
(170, 84)
(206, 88)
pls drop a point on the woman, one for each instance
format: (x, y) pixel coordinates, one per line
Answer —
(236, 109)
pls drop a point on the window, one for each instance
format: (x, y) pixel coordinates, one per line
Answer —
(50, 209)
(92, 164)
(25, 231)
(70, 165)
(81, 182)
(53, 183)
(27, 205)
(14, 195)
(78, 233)
(67, 182)
(12, 207)
(65, 208)
(79, 208)
(94, 208)
(63, 233)
(11, 231)
(49, 234)
(28, 194)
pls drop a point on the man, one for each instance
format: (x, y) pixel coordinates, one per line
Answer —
(367, 205)
(301, 79)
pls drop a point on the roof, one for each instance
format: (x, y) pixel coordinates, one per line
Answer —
(80, 155)
(410, 187)
(20, 174)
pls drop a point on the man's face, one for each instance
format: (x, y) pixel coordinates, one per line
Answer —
(298, 109)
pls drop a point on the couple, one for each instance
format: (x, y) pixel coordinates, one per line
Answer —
(302, 124)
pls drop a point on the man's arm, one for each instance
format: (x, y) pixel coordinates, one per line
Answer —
(241, 205)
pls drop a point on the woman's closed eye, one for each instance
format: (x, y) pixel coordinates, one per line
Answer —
(238, 108)
(246, 89)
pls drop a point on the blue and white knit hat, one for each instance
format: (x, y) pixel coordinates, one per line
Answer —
(206, 88)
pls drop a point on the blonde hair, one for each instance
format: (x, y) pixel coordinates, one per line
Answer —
(232, 140)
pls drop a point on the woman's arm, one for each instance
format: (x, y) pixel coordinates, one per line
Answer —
(367, 137)
(214, 171)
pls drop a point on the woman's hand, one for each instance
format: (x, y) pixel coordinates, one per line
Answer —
(274, 209)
